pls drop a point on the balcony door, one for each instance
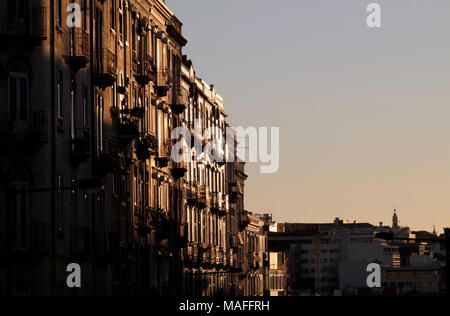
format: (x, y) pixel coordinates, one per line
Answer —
(18, 98)
(16, 13)
(20, 210)
(99, 38)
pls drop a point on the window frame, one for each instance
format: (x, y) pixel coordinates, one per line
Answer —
(18, 78)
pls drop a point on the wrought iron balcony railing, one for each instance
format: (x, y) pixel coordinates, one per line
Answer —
(26, 22)
(77, 48)
(146, 146)
(34, 240)
(180, 101)
(164, 153)
(27, 135)
(203, 197)
(162, 84)
(106, 70)
(218, 204)
(143, 71)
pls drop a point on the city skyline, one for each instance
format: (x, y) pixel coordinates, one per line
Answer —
(133, 165)
(362, 112)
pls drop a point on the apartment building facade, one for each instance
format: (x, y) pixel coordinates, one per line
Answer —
(314, 253)
(255, 256)
(87, 113)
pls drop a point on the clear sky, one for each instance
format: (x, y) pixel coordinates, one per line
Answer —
(364, 114)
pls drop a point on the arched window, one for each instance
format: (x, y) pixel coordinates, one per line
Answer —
(18, 84)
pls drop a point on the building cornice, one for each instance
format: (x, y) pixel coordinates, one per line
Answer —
(162, 8)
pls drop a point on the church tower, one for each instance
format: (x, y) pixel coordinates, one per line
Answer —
(395, 220)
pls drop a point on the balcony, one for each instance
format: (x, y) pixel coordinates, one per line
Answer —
(220, 258)
(142, 214)
(34, 244)
(162, 223)
(203, 197)
(179, 170)
(105, 65)
(164, 153)
(191, 197)
(199, 198)
(180, 101)
(134, 113)
(195, 253)
(146, 146)
(25, 135)
(206, 258)
(81, 146)
(245, 221)
(162, 84)
(24, 26)
(144, 71)
(108, 160)
(77, 48)
(218, 204)
(234, 189)
(229, 258)
(213, 256)
(127, 130)
(188, 256)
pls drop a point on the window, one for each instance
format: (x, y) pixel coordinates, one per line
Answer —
(136, 187)
(100, 220)
(20, 210)
(125, 24)
(85, 105)
(84, 7)
(73, 89)
(113, 14)
(99, 125)
(133, 35)
(60, 203)
(146, 120)
(114, 95)
(59, 94)
(99, 37)
(11, 8)
(18, 95)
(121, 20)
(59, 12)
